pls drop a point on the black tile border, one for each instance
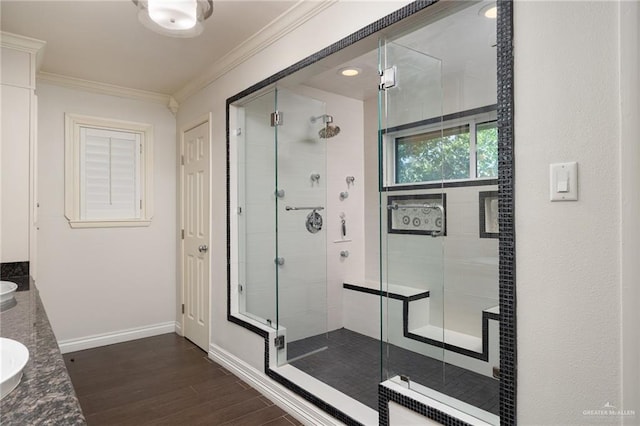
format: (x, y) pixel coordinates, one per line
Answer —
(443, 185)
(396, 296)
(482, 356)
(506, 218)
(386, 395)
(486, 316)
(482, 196)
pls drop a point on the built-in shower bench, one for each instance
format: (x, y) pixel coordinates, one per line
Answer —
(415, 322)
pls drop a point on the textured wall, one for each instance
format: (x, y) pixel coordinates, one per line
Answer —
(568, 280)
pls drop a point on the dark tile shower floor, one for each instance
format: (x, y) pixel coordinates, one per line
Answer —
(351, 364)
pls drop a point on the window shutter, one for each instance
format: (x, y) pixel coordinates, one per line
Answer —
(109, 174)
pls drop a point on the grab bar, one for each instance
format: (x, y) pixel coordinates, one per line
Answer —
(396, 206)
(287, 208)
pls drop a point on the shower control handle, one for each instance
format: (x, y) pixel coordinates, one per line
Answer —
(203, 248)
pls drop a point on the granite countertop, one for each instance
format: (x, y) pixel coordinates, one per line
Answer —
(45, 395)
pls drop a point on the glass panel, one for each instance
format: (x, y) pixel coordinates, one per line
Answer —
(256, 217)
(444, 343)
(413, 223)
(301, 225)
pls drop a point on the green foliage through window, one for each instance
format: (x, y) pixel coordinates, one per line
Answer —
(487, 149)
(445, 154)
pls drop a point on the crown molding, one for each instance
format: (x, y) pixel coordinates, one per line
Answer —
(25, 44)
(107, 89)
(288, 21)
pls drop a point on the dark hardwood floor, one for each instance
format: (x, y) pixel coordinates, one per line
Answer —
(165, 380)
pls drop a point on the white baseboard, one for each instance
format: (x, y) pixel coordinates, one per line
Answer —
(179, 329)
(104, 339)
(299, 408)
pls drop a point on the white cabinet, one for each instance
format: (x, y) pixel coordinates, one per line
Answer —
(18, 148)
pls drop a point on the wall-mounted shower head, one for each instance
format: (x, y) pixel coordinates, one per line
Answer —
(328, 131)
(326, 118)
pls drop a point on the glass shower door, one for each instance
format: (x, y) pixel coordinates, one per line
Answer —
(301, 271)
(413, 215)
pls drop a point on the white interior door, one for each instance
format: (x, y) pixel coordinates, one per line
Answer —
(196, 254)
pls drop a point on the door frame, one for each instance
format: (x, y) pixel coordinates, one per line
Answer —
(180, 288)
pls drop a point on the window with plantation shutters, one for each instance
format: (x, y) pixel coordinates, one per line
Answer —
(108, 172)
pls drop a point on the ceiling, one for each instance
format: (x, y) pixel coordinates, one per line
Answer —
(463, 42)
(103, 41)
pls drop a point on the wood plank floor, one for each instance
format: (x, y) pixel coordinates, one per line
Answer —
(165, 380)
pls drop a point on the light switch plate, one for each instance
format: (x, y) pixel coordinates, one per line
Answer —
(564, 181)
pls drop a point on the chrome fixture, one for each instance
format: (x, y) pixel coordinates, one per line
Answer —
(344, 195)
(203, 248)
(326, 118)
(315, 177)
(314, 222)
(288, 208)
(277, 118)
(279, 261)
(350, 180)
(328, 131)
(279, 193)
(174, 18)
(343, 225)
(344, 253)
(396, 206)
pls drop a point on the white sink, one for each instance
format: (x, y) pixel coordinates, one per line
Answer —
(13, 357)
(7, 290)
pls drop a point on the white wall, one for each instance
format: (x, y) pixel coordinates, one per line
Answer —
(104, 280)
(568, 254)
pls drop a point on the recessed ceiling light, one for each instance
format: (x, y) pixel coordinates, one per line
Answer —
(489, 11)
(350, 71)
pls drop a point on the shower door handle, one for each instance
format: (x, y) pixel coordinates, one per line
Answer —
(279, 261)
(442, 227)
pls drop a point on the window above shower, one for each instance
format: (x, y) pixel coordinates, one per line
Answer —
(451, 150)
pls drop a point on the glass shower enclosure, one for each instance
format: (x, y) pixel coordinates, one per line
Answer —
(281, 213)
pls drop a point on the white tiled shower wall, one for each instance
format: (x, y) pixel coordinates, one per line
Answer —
(310, 281)
(460, 270)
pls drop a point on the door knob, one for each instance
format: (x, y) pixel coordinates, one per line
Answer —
(203, 248)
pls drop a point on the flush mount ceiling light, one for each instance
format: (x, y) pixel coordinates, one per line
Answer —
(489, 11)
(350, 71)
(174, 18)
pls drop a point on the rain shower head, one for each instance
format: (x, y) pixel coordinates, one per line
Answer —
(328, 131)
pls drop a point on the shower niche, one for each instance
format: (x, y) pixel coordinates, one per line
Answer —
(385, 276)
